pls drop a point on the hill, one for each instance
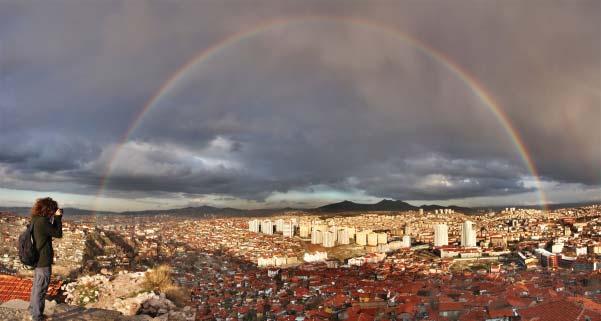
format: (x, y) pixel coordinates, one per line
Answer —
(383, 205)
(386, 206)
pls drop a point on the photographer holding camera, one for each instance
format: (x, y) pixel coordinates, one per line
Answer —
(46, 219)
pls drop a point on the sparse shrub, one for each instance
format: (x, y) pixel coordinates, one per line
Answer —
(177, 295)
(158, 279)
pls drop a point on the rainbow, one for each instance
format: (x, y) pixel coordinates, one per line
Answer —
(478, 90)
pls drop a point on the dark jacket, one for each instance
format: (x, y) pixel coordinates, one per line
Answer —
(43, 232)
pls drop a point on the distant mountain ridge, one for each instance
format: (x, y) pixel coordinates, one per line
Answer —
(384, 205)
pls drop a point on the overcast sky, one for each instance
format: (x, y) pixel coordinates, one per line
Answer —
(301, 114)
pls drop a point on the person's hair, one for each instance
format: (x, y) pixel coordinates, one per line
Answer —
(44, 207)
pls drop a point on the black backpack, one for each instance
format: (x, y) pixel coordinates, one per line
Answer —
(28, 254)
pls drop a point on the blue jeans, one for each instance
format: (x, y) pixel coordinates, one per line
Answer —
(37, 300)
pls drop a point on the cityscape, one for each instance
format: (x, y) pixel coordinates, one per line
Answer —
(511, 264)
(314, 160)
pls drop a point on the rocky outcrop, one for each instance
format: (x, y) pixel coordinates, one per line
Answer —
(125, 294)
(62, 312)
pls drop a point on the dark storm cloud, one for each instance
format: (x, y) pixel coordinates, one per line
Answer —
(45, 152)
(541, 61)
(329, 104)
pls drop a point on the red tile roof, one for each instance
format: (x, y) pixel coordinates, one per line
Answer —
(500, 313)
(552, 311)
(474, 315)
(451, 306)
(12, 287)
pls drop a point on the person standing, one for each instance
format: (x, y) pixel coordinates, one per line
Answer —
(46, 219)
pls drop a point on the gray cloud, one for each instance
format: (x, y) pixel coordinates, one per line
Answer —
(322, 103)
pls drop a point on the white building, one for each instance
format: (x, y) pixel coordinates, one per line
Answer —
(267, 227)
(557, 248)
(372, 239)
(343, 236)
(329, 239)
(315, 257)
(304, 230)
(288, 229)
(441, 235)
(361, 238)
(316, 237)
(279, 225)
(382, 238)
(334, 230)
(468, 234)
(254, 226)
(265, 261)
(581, 250)
(351, 233)
(406, 241)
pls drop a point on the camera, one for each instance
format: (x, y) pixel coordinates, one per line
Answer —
(59, 212)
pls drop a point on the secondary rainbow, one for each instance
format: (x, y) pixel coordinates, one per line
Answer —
(179, 75)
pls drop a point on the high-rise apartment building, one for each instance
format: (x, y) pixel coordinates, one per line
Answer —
(361, 238)
(468, 234)
(267, 227)
(316, 236)
(288, 229)
(441, 235)
(304, 230)
(329, 239)
(254, 226)
(343, 236)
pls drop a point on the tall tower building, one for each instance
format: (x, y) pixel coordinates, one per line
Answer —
(441, 235)
(254, 226)
(382, 238)
(316, 237)
(267, 227)
(343, 236)
(361, 238)
(334, 230)
(329, 239)
(305, 230)
(372, 239)
(279, 225)
(288, 229)
(468, 235)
